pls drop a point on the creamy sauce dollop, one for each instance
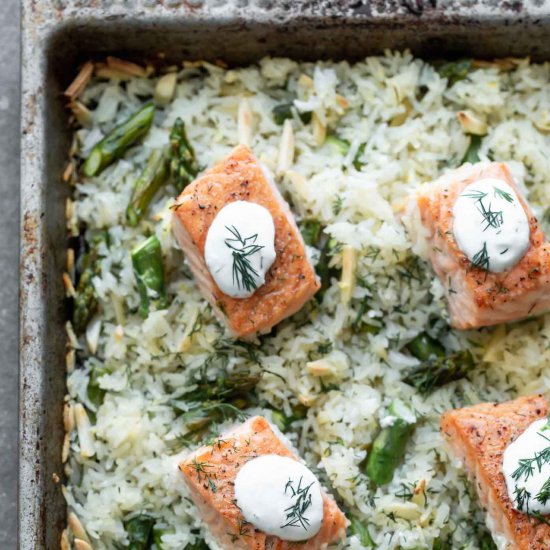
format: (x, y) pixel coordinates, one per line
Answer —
(490, 225)
(526, 468)
(240, 248)
(280, 496)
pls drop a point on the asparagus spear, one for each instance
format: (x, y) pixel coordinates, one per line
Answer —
(199, 544)
(472, 153)
(139, 530)
(116, 142)
(454, 71)
(341, 145)
(149, 273)
(283, 112)
(85, 302)
(149, 182)
(311, 231)
(183, 165)
(389, 447)
(358, 528)
(436, 368)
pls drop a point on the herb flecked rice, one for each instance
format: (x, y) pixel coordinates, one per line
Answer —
(379, 129)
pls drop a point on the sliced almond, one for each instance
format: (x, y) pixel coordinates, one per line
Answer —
(70, 359)
(342, 101)
(81, 113)
(64, 543)
(503, 63)
(405, 510)
(245, 118)
(93, 331)
(68, 172)
(68, 284)
(82, 545)
(471, 123)
(166, 88)
(77, 528)
(65, 448)
(319, 129)
(321, 367)
(73, 341)
(78, 85)
(286, 148)
(68, 417)
(84, 428)
(132, 69)
(347, 279)
(306, 399)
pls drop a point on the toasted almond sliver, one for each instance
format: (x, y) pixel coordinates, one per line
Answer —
(68, 172)
(342, 101)
(68, 284)
(286, 148)
(76, 527)
(85, 437)
(306, 400)
(65, 448)
(244, 122)
(81, 113)
(319, 129)
(82, 545)
(64, 542)
(405, 510)
(419, 493)
(118, 333)
(127, 67)
(68, 417)
(347, 280)
(103, 71)
(78, 85)
(166, 88)
(321, 367)
(93, 331)
(73, 341)
(70, 360)
(471, 123)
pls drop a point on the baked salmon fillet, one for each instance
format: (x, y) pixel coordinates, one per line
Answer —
(477, 297)
(478, 437)
(290, 282)
(210, 474)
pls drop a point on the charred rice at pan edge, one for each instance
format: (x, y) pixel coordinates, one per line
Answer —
(356, 381)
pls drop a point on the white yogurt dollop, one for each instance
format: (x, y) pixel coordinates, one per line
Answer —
(280, 496)
(526, 468)
(240, 248)
(490, 225)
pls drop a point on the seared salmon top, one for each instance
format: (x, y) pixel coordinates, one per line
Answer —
(479, 435)
(210, 473)
(490, 290)
(290, 281)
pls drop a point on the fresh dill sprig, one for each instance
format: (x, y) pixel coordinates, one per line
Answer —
(337, 205)
(481, 258)
(492, 218)
(526, 466)
(503, 195)
(543, 496)
(295, 514)
(243, 272)
(477, 195)
(201, 468)
(522, 496)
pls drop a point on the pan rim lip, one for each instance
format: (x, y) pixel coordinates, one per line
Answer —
(41, 24)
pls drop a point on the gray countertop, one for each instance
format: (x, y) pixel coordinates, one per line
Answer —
(9, 259)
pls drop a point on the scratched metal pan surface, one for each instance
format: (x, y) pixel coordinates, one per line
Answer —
(58, 35)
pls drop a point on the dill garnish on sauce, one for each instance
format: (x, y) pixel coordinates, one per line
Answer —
(302, 501)
(244, 275)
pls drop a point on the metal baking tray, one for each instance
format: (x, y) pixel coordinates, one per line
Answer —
(60, 34)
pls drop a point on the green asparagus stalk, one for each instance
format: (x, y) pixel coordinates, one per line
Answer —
(389, 447)
(183, 164)
(283, 111)
(311, 230)
(357, 527)
(472, 153)
(116, 142)
(454, 71)
(436, 368)
(341, 145)
(149, 273)
(139, 530)
(149, 182)
(85, 302)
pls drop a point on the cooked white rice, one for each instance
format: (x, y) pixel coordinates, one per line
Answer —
(406, 114)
